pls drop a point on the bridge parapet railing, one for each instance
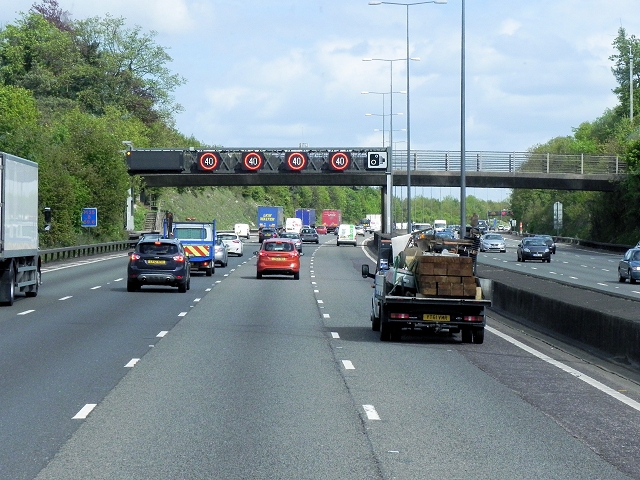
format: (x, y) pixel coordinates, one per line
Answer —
(510, 162)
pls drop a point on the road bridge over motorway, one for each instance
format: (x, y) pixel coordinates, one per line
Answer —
(370, 166)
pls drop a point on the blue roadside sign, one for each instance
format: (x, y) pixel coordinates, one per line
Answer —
(89, 217)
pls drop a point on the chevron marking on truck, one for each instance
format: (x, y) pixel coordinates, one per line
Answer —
(197, 250)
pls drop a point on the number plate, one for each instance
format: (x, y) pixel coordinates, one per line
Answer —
(431, 317)
(156, 262)
(279, 259)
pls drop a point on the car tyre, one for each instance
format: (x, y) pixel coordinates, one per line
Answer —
(182, 287)
(375, 323)
(296, 276)
(631, 279)
(478, 335)
(258, 275)
(621, 279)
(132, 286)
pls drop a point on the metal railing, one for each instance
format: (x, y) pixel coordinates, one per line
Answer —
(64, 253)
(510, 162)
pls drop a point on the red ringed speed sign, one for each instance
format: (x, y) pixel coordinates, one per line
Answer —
(296, 161)
(252, 161)
(209, 161)
(339, 161)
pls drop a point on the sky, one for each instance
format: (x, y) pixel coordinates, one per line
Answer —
(288, 72)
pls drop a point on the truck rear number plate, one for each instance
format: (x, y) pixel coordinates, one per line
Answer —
(431, 317)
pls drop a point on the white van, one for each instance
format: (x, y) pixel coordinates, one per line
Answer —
(347, 234)
(242, 230)
(293, 225)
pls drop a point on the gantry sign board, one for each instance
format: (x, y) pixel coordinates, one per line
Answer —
(240, 166)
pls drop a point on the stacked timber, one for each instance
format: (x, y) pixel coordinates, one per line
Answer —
(444, 276)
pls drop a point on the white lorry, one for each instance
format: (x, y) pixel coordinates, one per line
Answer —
(375, 222)
(19, 244)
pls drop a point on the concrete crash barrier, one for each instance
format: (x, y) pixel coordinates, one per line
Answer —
(605, 325)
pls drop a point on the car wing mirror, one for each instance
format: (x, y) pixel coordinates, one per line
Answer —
(366, 273)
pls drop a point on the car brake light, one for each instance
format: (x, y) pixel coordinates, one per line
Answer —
(134, 256)
(178, 258)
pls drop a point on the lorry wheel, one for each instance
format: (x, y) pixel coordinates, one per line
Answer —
(375, 323)
(395, 334)
(466, 335)
(385, 331)
(209, 271)
(478, 335)
(34, 289)
(8, 285)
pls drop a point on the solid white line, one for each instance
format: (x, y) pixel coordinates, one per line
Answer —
(132, 363)
(95, 288)
(84, 411)
(348, 365)
(371, 412)
(335, 335)
(182, 314)
(162, 333)
(585, 378)
(26, 312)
(66, 298)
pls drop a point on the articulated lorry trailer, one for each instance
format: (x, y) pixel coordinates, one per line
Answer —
(19, 243)
(270, 217)
(307, 215)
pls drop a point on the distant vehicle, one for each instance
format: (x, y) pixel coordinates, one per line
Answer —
(242, 230)
(483, 227)
(150, 236)
(309, 235)
(321, 229)
(293, 224)
(375, 222)
(198, 240)
(159, 262)
(492, 242)
(278, 256)
(270, 217)
(629, 266)
(331, 218)
(295, 237)
(346, 234)
(265, 233)
(533, 248)
(233, 243)
(359, 230)
(548, 239)
(439, 225)
(221, 253)
(419, 227)
(307, 216)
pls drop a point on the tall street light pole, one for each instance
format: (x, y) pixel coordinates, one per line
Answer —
(407, 5)
(463, 151)
(388, 205)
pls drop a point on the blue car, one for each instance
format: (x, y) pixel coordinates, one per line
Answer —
(629, 266)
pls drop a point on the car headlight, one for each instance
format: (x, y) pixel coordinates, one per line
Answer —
(635, 268)
(526, 249)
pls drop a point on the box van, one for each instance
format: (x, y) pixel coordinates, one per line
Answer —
(293, 225)
(242, 230)
(347, 234)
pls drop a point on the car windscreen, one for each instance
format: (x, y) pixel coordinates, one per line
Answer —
(636, 256)
(158, 249)
(278, 247)
(538, 242)
(190, 233)
(226, 237)
(492, 237)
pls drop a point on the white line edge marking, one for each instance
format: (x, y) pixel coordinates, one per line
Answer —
(371, 412)
(182, 314)
(348, 365)
(95, 288)
(84, 411)
(132, 363)
(581, 376)
(335, 335)
(26, 312)
(162, 333)
(65, 298)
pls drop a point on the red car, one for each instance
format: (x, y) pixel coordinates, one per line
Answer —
(322, 230)
(278, 256)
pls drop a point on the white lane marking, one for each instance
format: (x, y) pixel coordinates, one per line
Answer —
(81, 263)
(84, 411)
(311, 271)
(132, 363)
(335, 335)
(371, 412)
(118, 279)
(635, 291)
(316, 291)
(313, 283)
(207, 289)
(65, 298)
(95, 288)
(162, 333)
(26, 312)
(232, 270)
(325, 315)
(348, 365)
(603, 284)
(226, 274)
(572, 371)
(320, 301)
(197, 299)
(182, 314)
(218, 281)
(573, 278)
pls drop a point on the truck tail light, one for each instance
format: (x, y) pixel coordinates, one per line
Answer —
(399, 315)
(473, 318)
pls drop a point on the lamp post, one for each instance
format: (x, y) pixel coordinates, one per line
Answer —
(407, 5)
(383, 130)
(390, 160)
(463, 151)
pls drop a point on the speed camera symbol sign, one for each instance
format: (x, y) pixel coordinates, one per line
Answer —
(377, 161)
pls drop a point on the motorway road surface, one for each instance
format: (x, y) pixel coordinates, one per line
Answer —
(276, 378)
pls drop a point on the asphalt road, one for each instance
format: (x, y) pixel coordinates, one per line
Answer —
(277, 378)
